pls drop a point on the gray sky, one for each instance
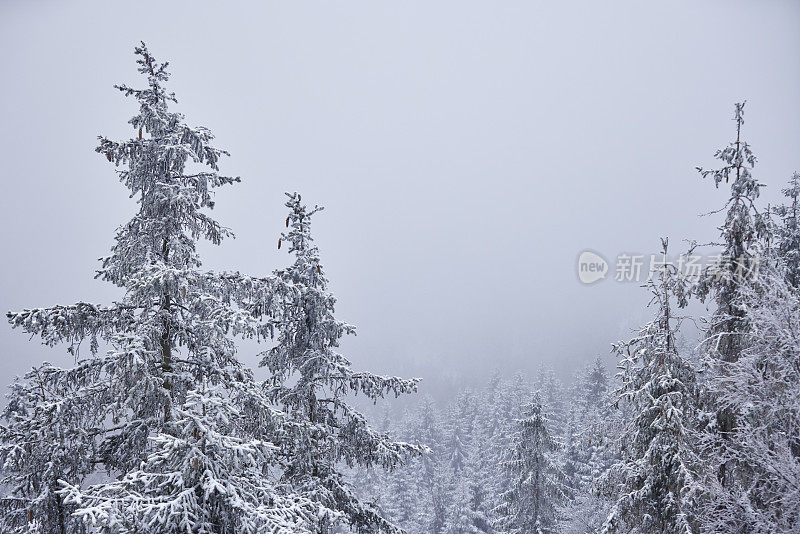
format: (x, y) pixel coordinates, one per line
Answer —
(466, 152)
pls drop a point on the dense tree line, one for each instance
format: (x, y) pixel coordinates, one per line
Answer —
(516, 455)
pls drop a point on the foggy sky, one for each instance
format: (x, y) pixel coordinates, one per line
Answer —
(466, 153)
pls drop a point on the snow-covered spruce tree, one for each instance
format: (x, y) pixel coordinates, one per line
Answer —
(787, 238)
(484, 476)
(659, 487)
(404, 503)
(479, 480)
(405, 493)
(511, 396)
(594, 388)
(744, 238)
(470, 512)
(460, 520)
(471, 509)
(585, 514)
(440, 497)
(537, 484)
(310, 381)
(551, 390)
(169, 412)
(426, 429)
(47, 438)
(589, 450)
(761, 389)
(460, 422)
(741, 236)
(594, 404)
(571, 453)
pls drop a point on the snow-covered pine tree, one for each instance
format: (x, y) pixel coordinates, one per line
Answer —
(310, 381)
(473, 485)
(433, 485)
(787, 238)
(551, 390)
(585, 514)
(479, 478)
(537, 484)
(406, 493)
(439, 491)
(588, 451)
(659, 486)
(571, 453)
(404, 504)
(168, 411)
(594, 388)
(511, 396)
(47, 438)
(594, 406)
(744, 236)
(424, 427)
(741, 236)
(484, 478)
(460, 421)
(761, 389)
(495, 413)
(470, 514)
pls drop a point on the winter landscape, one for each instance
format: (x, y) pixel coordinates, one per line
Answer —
(569, 237)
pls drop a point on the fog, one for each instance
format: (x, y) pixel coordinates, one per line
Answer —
(466, 153)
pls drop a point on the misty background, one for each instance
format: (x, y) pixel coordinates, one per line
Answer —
(466, 153)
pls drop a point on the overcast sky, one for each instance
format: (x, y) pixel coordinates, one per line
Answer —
(466, 153)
